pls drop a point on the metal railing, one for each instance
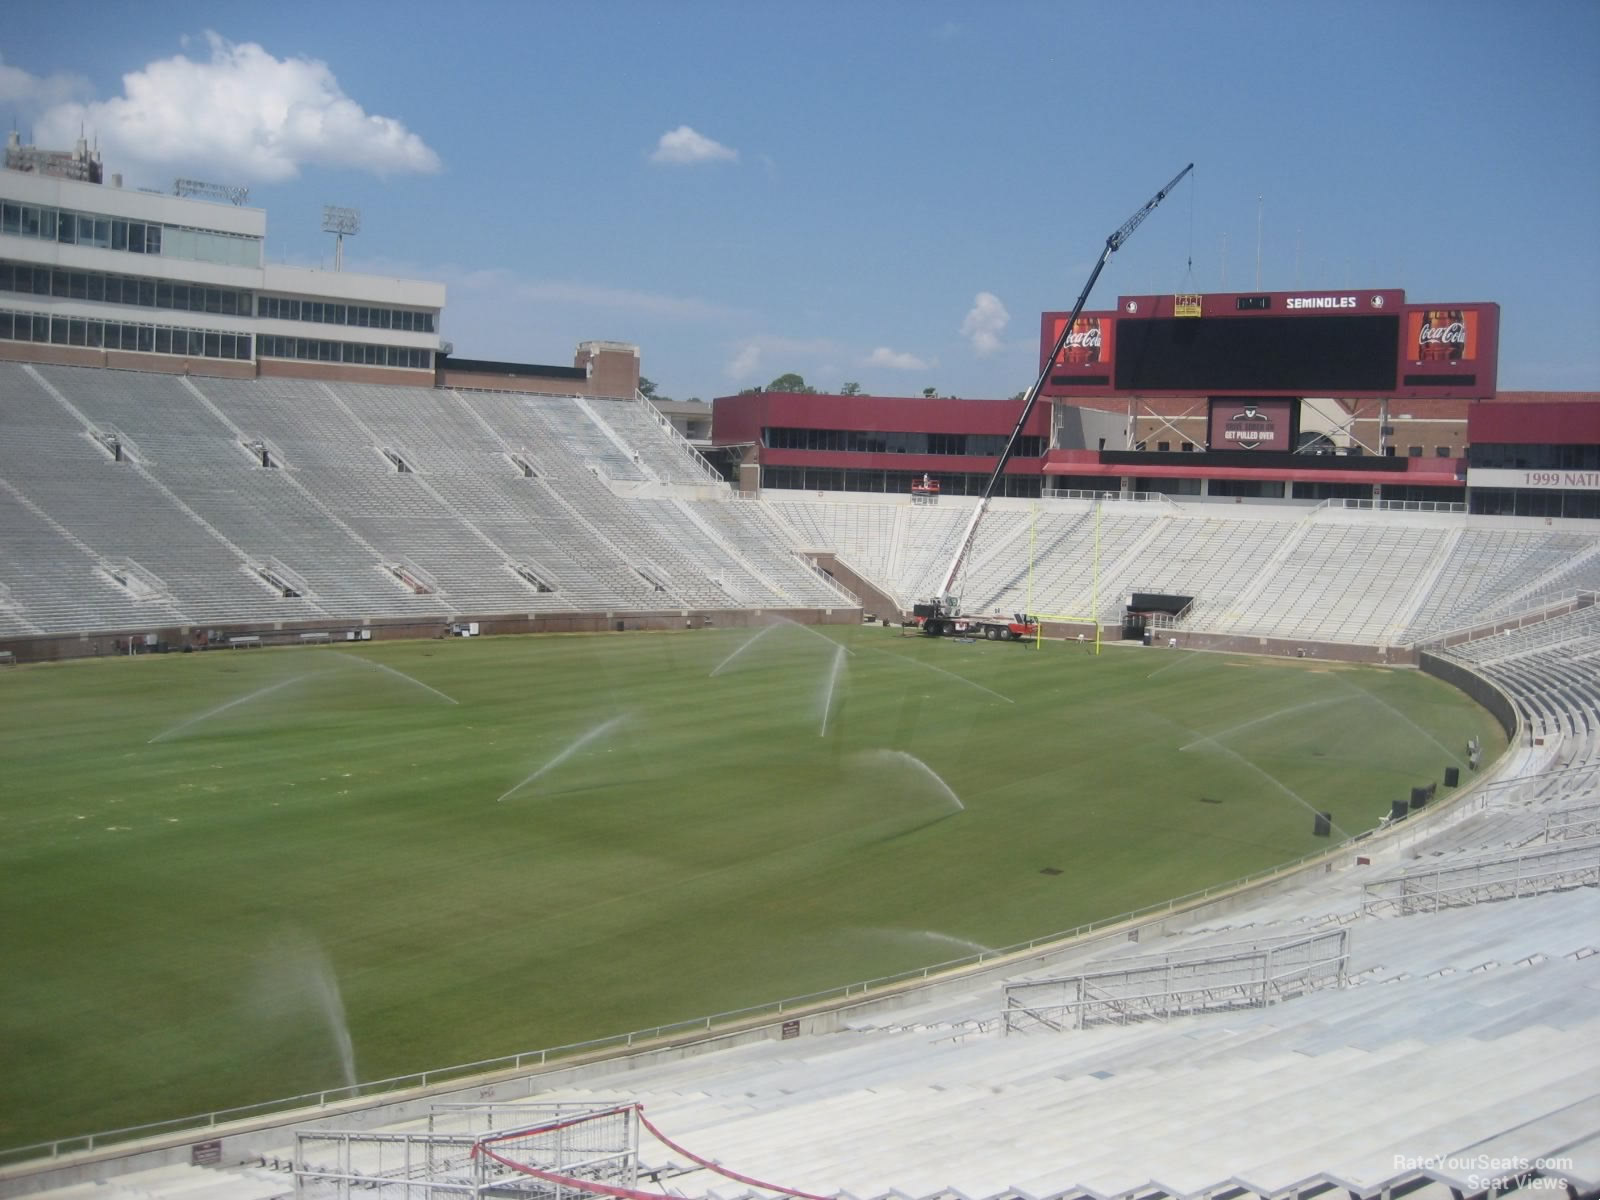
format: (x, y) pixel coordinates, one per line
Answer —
(1573, 824)
(1209, 979)
(1440, 641)
(1440, 506)
(1088, 494)
(1556, 867)
(712, 474)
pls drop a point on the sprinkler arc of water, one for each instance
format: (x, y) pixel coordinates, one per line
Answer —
(827, 699)
(572, 748)
(1277, 783)
(901, 756)
(222, 708)
(397, 674)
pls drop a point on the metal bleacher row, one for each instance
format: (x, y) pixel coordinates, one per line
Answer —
(1330, 575)
(375, 502)
(388, 502)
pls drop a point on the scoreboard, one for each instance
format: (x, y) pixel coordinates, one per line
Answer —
(1344, 344)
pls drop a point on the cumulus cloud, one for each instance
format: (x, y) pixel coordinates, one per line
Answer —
(34, 93)
(895, 359)
(685, 146)
(985, 322)
(242, 113)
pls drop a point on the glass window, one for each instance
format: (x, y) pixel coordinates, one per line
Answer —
(41, 328)
(164, 294)
(163, 340)
(85, 230)
(67, 229)
(77, 335)
(10, 218)
(152, 238)
(136, 237)
(39, 222)
(96, 332)
(97, 287)
(213, 345)
(119, 235)
(102, 232)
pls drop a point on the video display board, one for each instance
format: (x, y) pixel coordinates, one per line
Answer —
(1338, 343)
(1306, 355)
(1252, 423)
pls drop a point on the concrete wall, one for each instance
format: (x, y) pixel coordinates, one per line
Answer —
(186, 638)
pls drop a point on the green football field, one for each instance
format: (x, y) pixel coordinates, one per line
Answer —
(212, 864)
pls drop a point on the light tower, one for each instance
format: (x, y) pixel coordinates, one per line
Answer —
(339, 222)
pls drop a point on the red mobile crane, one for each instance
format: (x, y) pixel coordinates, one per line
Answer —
(942, 614)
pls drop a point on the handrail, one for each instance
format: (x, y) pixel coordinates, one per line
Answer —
(704, 463)
(1572, 601)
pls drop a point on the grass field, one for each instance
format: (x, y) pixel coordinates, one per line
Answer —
(486, 846)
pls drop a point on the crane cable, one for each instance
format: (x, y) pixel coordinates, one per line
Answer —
(1188, 273)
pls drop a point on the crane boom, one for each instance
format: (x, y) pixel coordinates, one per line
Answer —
(1113, 244)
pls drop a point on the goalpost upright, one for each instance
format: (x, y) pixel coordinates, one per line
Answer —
(1094, 587)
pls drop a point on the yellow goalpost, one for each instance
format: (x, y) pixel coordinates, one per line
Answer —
(1094, 591)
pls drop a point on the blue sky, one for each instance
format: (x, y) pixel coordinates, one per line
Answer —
(882, 193)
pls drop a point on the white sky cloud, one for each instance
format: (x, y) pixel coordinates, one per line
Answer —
(34, 93)
(686, 146)
(895, 359)
(239, 114)
(744, 365)
(985, 322)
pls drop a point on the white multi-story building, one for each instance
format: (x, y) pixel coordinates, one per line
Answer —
(99, 275)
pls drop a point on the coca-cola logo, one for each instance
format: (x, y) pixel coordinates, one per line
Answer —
(1085, 339)
(1453, 334)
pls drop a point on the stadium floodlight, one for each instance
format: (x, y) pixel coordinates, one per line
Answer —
(210, 191)
(340, 222)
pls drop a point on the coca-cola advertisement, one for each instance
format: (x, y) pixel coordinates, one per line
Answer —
(1442, 335)
(1089, 343)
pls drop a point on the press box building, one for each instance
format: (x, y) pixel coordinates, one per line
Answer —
(94, 274)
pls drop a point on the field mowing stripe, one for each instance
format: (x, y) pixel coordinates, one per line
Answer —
(918, 662)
